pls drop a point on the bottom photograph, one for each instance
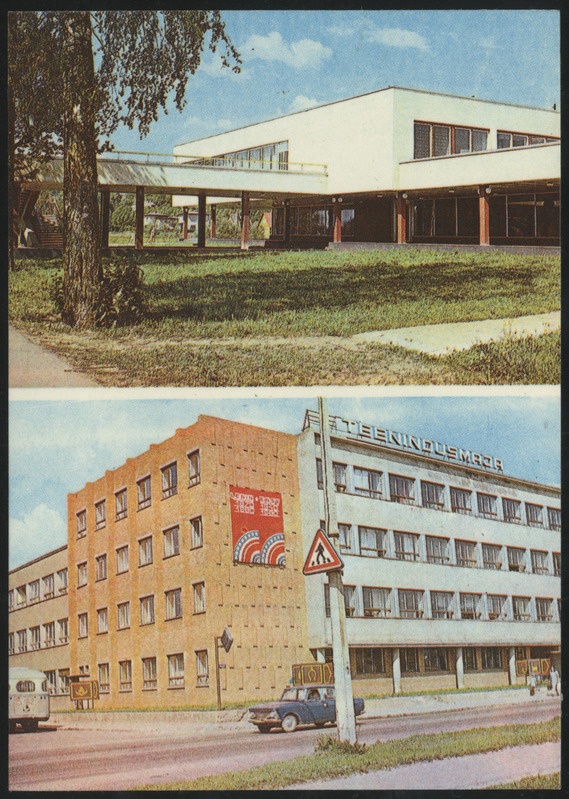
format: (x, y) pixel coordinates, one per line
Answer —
(187, 573)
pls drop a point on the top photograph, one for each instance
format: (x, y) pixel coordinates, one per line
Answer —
(284, 198)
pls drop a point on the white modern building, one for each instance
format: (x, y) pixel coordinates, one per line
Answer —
(397, 165)
(451, 567)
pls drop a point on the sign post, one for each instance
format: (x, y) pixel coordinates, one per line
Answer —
(225, 641)
(342, 675)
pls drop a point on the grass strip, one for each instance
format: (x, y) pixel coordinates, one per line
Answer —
(540, 782)
(389, 754)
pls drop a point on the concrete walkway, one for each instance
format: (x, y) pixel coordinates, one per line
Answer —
(445, 338)
(32, 366)
(455, 773)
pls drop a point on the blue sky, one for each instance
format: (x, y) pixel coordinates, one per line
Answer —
(297, 59)
(56, 446)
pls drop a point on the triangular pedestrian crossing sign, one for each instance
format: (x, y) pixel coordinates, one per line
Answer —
(322, 557)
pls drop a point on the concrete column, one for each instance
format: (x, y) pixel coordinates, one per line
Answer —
(201, 219)
(105, 217)
(139, 216)
(484, 216)
(213, 221)
(337, 209)
(402, 211)
(184, 223)
(459, 668)
(512, 665)
(245, 220)
(396, 667)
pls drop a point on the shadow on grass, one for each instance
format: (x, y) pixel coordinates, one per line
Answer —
(253, 294)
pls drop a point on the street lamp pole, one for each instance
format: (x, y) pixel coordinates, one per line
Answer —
(342, 675)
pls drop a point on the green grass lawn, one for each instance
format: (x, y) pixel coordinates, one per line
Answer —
(283, 318)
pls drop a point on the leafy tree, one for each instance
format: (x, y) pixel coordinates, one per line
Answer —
(143, 58)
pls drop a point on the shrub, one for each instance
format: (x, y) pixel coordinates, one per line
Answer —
(329, 743)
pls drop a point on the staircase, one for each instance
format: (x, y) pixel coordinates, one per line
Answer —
(47, 229)
(50, 233)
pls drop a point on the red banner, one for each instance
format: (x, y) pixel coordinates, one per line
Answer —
(257, 526)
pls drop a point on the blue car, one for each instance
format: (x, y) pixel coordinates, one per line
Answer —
(299, 705)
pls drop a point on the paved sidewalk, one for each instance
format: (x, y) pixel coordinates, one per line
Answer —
(456, 773)
(445, 338)
(32, 366)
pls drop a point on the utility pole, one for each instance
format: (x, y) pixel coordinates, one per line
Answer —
(342, 675)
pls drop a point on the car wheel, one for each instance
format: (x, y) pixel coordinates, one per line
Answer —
(290, 723)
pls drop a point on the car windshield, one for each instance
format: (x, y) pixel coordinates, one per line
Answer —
(290, 695)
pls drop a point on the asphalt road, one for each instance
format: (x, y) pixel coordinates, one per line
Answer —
(101, 760)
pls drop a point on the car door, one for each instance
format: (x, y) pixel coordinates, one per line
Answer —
(329, 703)
(316, 706)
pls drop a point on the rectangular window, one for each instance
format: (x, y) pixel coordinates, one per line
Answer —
(422, 147)
(556, 563)
(82, 625)
(442, 604)
(345, 533)
(196, 529)
(63, 631)
(121, 507)
(491, 657)
(176, 671)
(377, 602)
(171, 541)
(437, 549)
(174, 603)
(512, 511)
(145, 551)
(521, 606)
(144, 492)
(539, 562)
(62, 581)
(202, 669)
(406, 546)
(371, 542)
(367, 483)
(554, 518)
(466, 553)
(410, 602)
(147, 610)
(100, 514)
(102, 620)
(35, 640)
(199, 597)
(149, 679)
(51, 682)
(319, 474)
(101, 567)
(169, 480)
(34, 589)
(122, 559)
(22, 640)
(350, 600)
(470, 606)
(543, 608)
(516, 559)
(104, 678)
(11, 599)
(48, 586)
(432, 495)
(21, 596)
(460, 500)
(49, 633)
(64, 681)
(125, 675)
(504, 140)
(441, 140)
(402, 489)
(340, 480)
(469, 658)
(534, 515)
(81, 574)
(369, 661)
(497, 607)
(81, 523)
(11, 644)
(492, 556)
(487, 506)
(436, 659)
(123, 615)
(409, 660)
(194, 467)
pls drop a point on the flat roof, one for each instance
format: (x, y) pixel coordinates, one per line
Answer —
(366, 94)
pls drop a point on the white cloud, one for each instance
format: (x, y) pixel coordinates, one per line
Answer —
(337, 30)
(301, 103)
(28, 536)
(397, 37)
(301, 54)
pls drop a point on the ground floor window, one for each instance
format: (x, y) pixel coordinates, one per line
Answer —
(176, 671)
(409, 660)
(521, 216)
(370, 661)
(149, 679)
(436, 659)
(202, 668)
(104, 680)
(491, 657)
(469, 658)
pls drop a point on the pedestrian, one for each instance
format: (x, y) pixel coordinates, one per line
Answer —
(554, 677)
(532, 685)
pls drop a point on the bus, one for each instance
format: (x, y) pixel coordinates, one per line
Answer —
(28, 699)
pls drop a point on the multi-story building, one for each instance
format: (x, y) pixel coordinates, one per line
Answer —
(199, 533)
(452, 569)
(38, 629)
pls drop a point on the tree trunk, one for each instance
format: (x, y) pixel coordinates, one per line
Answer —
(82, 270)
